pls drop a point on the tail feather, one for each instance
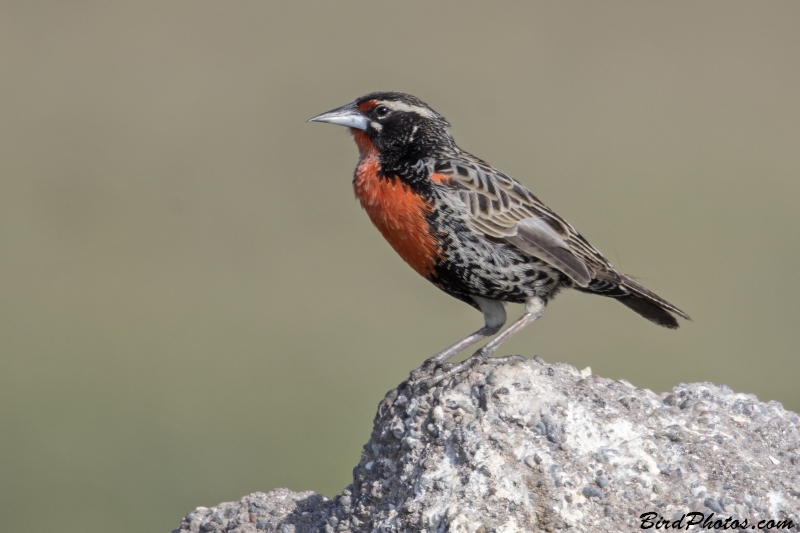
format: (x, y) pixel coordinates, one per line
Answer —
(650, 310)
(636, 297)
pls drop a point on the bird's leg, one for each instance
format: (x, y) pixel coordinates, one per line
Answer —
(449, 352)
(494, 315)
(533, 310)
(483, 354)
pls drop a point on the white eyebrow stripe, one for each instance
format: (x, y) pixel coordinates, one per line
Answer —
(402, 106)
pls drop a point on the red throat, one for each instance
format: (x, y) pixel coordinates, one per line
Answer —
(397, 212)
(365, 146)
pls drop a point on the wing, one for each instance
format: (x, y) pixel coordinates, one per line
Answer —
(503, 208)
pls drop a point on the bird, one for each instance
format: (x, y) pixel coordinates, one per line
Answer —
(473, 231)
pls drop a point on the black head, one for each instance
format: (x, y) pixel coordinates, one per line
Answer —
(401, 127)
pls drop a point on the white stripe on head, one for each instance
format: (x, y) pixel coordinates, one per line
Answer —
(402, 106)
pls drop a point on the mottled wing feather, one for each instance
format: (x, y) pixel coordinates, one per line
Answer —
(503, 208)
(537, 238)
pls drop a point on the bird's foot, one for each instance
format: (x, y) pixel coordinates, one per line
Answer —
(424, 372)
(506, 359)
(428, 369)
(429, 375)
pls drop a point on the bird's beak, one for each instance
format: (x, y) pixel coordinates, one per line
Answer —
(346, 115)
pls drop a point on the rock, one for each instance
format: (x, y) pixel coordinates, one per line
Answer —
(280, 511)
(603, 455)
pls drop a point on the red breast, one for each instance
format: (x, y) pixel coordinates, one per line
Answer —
(397, 212)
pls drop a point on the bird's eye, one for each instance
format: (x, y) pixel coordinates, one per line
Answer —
(381, 111)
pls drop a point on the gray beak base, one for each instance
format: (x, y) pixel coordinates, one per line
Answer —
(343, 116)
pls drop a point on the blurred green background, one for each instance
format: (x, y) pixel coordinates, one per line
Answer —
(193, 306)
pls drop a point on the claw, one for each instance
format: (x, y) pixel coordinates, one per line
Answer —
(417, 374)
(507, 359)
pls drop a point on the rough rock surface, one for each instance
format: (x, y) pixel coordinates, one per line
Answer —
(534, 446)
